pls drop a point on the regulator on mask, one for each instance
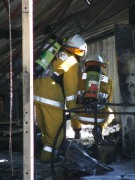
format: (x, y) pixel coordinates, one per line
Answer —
(93, 66)
(50, 49)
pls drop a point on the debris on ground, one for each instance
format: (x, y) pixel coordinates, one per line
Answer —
(77, 161)
(90, 166)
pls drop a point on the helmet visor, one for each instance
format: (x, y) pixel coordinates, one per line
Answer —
(79, 52)
(76, 51)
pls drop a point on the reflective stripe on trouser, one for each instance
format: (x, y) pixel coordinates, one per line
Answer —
(90, 120)
(76, 123)
(49, 149)
(49, 119)
(103, 122)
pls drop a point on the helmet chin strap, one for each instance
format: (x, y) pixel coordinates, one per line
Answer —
(78, 58)
(81, 58)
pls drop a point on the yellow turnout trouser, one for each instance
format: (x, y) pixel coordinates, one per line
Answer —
(49, 119)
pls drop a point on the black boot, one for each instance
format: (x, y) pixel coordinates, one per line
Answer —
(97, 133)
(77, 134)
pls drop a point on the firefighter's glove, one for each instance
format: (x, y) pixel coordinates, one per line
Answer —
(79, 100)
(72, 115)
(104, 100)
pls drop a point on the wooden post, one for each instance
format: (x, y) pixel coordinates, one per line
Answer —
(28, 122)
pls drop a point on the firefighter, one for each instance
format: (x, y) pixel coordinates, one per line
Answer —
(106, 89)
(53, 93)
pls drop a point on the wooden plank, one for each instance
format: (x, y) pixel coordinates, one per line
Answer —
(28, 132)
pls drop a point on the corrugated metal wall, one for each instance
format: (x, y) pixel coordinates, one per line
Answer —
(106, 48)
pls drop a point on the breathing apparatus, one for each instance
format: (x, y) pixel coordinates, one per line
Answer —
(93, 64)
(50, 49)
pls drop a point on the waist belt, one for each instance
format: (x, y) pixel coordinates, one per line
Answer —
(58, 79)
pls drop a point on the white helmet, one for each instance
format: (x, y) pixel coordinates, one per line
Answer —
(95, 57)
(77, 42)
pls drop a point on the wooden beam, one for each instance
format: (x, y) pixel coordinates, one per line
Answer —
(28, 132)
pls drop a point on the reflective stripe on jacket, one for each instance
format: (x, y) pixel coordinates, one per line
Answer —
(48, 101)
(102, 96)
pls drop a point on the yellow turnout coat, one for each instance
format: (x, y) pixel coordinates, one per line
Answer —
(106, 91)
(50, 99)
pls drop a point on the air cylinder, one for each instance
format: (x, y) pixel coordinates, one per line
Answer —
(50, 49)
(92, 84)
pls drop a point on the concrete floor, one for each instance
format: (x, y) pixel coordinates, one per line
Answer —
(123, 170)
(123, 167)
